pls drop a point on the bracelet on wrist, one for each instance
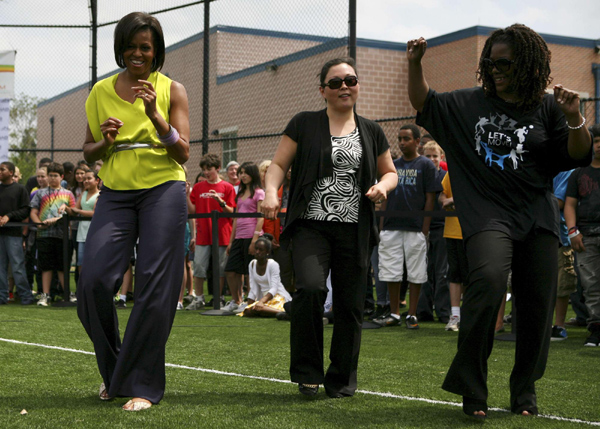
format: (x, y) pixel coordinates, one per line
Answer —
(256, 232)
(573, 228)
(573, 234)
(223, 204)
(578, 126)
(170, 138)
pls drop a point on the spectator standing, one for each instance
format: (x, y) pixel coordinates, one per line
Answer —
(212, 194)
(86, 204)
(48, 207)
(404, 240)
(231, 172)
(14, 207)
(567, 278)
(435, 293)
(245, 231)
(32, 182)
(582, 215)
(458, 268)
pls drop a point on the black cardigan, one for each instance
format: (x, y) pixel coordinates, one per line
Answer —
(310, 130)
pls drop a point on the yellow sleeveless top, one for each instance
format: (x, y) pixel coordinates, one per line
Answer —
(140, 168)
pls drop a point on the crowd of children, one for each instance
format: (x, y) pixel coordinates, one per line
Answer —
(424, 255)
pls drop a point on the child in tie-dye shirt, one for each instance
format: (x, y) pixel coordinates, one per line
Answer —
(47, 207)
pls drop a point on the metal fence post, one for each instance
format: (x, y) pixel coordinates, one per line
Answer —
(94, 37)
(52, 138)
(352, 29)
(206, 77)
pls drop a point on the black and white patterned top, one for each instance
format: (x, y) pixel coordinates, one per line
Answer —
(337, 198)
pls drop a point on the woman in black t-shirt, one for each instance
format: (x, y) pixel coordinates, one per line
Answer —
(504, 143)
(330, 221)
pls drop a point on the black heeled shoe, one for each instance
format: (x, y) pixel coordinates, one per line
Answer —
(471, 406)
(308, 389)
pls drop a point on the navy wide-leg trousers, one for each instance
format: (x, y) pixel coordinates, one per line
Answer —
(155, 216)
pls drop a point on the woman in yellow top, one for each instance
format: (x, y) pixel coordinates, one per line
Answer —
(138, 125)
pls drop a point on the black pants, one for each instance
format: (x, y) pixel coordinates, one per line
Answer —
(435, 292)
(491, 254)
(318, 247)
(136, 367)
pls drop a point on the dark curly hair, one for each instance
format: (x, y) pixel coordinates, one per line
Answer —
(531, 74)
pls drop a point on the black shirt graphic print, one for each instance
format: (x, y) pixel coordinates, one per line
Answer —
(502, 159)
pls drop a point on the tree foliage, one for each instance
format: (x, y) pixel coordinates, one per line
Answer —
(23, 133)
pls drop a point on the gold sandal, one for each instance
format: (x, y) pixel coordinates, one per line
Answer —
(140, 405)
(103, 393)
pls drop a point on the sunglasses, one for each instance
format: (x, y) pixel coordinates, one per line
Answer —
(336, 82)
(502, 64)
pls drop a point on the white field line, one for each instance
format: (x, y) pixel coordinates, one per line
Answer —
(276, 380)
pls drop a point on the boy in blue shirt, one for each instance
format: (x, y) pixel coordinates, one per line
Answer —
(404, 240)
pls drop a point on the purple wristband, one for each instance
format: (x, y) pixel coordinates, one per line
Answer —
(170, 138)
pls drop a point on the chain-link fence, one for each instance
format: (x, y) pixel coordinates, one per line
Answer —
(263, 61)
(264, 57)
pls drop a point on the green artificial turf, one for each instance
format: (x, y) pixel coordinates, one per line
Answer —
(60, 388)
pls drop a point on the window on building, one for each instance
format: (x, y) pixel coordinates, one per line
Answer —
(230, 145)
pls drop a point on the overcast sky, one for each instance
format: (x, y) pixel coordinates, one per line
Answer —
(51, 61)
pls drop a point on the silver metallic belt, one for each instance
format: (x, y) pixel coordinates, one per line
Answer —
(130, 146)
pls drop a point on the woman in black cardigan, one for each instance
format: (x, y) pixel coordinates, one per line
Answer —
(337, 158)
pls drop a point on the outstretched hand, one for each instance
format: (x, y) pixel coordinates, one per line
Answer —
(415, 49)
(568, 102)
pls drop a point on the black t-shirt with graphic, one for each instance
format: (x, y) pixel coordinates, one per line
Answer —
(415, 178)
(584, 185)
(501, 158)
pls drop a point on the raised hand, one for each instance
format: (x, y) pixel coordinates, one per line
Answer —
(147, 94)
(415, 49)
(568, 101)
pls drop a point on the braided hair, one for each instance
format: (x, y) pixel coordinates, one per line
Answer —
(531, 74)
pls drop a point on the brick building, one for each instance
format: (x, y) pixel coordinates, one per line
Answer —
(259, 79)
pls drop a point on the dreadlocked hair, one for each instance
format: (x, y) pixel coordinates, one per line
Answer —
(531, 70)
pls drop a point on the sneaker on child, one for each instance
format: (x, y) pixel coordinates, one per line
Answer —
(240, 308)
(558, 333)
(197, 304)
(412, 322)
(43, 301)
(389, 320)
(453, 323)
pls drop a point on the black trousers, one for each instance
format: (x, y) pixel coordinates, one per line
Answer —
(135, 367)
(317, 247)
(491, 254)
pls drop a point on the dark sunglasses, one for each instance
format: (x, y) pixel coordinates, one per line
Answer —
(336, 82)
(502, 64)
